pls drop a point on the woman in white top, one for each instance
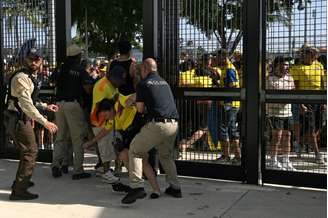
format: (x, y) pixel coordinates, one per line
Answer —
(280, 115)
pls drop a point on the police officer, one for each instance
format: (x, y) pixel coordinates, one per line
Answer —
(71, 81)
(22, 99)
(154, 95)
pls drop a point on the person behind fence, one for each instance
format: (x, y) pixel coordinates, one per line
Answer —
(280, 115)
(309, 75)
(228, 126)
(155, 96)
(22, 102)
(71, 82)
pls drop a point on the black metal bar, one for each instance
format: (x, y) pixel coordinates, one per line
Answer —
(63, 28)
(295, 178)
(209, 170)
(2, 86)
(252, 50)
(150, 28)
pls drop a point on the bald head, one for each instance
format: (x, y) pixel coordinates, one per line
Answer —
(148, 65)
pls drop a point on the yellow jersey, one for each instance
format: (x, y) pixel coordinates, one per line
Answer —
(308, 77)
(229, 79)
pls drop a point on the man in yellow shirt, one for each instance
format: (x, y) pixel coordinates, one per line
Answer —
(308, 76)
(106, 88)
(228, 128)
(122, 118)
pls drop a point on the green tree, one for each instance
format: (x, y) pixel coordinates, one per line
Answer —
(224, 18)
(13, 10)
(107, 22)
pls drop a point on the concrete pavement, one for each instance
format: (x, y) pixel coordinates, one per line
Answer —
(90, 198)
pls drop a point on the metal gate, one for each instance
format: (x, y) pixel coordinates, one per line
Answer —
(25, 24)
(194, 37)
(295, 118)
(192, 41)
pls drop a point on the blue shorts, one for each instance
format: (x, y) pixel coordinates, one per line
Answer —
(228, 128)
(296, 113)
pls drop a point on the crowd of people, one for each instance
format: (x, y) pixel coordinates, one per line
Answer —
(123, 113)
(289, 126)
(126, 111)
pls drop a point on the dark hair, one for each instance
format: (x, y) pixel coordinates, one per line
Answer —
(116, 74)
(279, 60)
(105, 105)
(323, 60)
(124, 47)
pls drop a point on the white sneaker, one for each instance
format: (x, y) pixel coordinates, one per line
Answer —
(109, 177)
(277, 165)
(289, 166)
(319, 159)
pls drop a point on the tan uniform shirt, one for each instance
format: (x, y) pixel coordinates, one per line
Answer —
(22, 87)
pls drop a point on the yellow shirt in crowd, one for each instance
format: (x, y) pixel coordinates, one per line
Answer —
(308, 77)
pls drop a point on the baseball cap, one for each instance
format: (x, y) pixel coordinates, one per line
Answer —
(73, 50)
(33, 53)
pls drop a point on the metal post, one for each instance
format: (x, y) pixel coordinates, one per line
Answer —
(150, 28)
(305, 22)
(314, 13)
(63, 28)
(2, 86)
(52, 34)
(86, 34)
(253, 54)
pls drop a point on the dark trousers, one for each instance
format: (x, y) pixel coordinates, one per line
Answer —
(25, 141)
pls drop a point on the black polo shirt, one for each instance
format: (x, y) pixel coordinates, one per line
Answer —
(157, 96)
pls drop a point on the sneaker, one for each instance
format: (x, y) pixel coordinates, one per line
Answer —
(173, 192)
(319, 159)
(223, 158)
(133, 195)
(30, 184)
(24, 195)
(109, 178)
(236, 161)
(119, 187)
(277, 165)
(288, 166)
(64, 169)
(81, 176)
(154, 195)
(56, 172)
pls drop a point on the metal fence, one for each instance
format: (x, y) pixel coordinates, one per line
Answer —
(207, 72)
(26, 24)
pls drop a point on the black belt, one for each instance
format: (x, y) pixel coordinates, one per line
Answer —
(164, 120)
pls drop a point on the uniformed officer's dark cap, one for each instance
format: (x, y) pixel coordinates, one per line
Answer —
(33, 53)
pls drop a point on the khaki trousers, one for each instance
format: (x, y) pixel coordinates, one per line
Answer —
(105, 146)
(71, 124)
(161, 136)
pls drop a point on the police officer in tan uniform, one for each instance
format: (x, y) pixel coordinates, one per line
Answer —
(153, 95)
(23, 99)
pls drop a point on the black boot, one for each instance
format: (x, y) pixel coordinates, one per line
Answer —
(133, 195)
(64, 169)
(29, 184)
(22, 195)
(56, 172)
(81, 176)
(173, 192)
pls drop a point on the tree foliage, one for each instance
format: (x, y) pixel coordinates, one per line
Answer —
(108, 22)
(224, 18)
